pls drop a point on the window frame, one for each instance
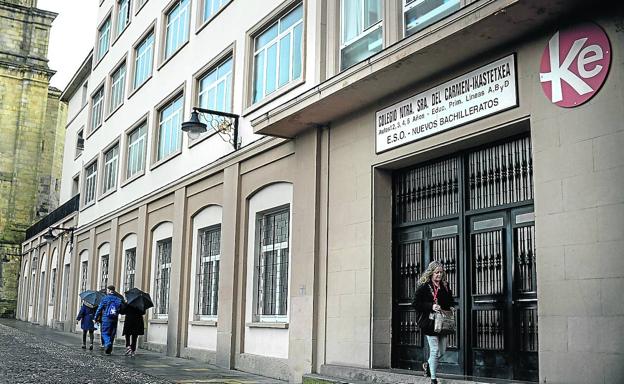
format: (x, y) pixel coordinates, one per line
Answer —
(91, 128)
(258, 254)
(80, 133)
(180, 91)
(163, 58)
(125, 158)
(87, 203)
(158, 267)
(105, 192)
(97, 55)
(111, 109)
(133, 87)
(102, 282)
(274, 18)
(53, 278)
(362, 34)
(126, 270)
(84, 275)
(227, 54)
(214, 282)
(129, 13)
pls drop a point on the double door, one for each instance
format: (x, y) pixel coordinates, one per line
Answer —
(476, 218)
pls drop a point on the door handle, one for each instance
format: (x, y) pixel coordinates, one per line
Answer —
(486, 301)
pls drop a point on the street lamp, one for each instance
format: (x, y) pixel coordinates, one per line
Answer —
(223, 123)
(50, 237)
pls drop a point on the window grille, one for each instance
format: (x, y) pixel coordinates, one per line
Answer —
(208, 271)
(83, 276)
(278, 54)
(104, 272)
(163, 274)
(272, 268)
(111, 158)
(65, 293)
(129, 269)
(169, 133)
(177, 27)
(53, 286)
(144, 60)
(136, 151)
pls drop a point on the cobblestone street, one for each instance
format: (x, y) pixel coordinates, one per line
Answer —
(34, 354)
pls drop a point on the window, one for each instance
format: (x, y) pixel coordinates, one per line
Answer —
(144, 60)
(118, 82)
(129, 269)
(85, 88)
(278, 54)
(103, 272)
(211, 7)
(76, 185)
(90, 182)
(418, 14)
(79, 142)
(272, 268)
(361, 32)
(103, 39)
(163, 273)
(110, 169)
(177, 32)
(83, 276)
(65, 292)
(53, 286)
(136, 151)
(123, 15)
(215, 88)
(97, 103)
(208, 271)
(169, 133)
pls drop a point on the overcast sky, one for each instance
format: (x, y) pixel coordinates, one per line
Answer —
(71, 38)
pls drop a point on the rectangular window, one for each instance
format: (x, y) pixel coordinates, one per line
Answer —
(85, 95)
(163, 274)
(144, 60)
(278, 54)
(361, 32)
(83, 276)
(177, 32)
(123, 15)
(97, 110)
(129, 269)
(76, 185)
(272, 268)
(136, 150)
(90, 182)
(65, 292)
(118, 86)
(418, 14)
(169, 133)
(211, 7)
(104, 272)
(53, 286)
(79, 142)
(103, 39)
(208, 271)
(215, 88)
(111, 159)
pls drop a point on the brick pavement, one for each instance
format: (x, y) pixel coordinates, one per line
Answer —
(34, 354)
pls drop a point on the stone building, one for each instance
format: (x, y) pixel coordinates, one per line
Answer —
(31, 131)
(371, 138)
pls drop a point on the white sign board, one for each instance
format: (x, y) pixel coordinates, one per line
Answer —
(475, 95)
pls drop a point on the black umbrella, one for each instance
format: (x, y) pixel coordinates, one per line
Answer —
(92, 297)
(138, 299)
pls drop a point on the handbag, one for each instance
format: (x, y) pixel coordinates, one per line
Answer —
(444, 322)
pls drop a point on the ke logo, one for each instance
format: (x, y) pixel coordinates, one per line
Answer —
(575, 64)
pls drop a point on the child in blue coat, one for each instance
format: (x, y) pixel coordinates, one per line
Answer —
(86, 317)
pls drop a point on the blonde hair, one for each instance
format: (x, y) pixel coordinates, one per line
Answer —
(425, 277)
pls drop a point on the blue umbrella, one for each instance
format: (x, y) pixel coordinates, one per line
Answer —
(92, 297)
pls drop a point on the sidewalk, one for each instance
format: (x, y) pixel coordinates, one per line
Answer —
(175, 370)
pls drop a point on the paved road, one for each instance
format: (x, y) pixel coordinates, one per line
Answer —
(34, 354)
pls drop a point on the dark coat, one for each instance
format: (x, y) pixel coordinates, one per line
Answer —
(423, 303)
(133, 324)
(86, 317)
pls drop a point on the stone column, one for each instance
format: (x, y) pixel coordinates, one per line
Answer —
(178, 249)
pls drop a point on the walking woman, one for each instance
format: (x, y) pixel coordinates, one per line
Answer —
(432, 295)
(86, 317)
(132, 328)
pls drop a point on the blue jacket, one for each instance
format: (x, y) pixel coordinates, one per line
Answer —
(86, 315)
(103, 307)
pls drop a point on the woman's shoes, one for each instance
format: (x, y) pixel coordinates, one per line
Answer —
(426, 371)
(84, 346)
(91, 347)
(434, 381)
(128, 351)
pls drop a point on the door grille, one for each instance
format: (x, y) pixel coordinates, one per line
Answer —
(488, 263)
(490, 330)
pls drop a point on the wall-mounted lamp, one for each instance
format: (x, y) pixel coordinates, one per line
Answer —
(223, 123)
(50, 237)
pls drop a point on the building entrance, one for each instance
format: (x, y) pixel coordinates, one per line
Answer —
(473, 212)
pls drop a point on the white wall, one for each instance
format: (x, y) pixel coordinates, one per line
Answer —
(201, 49)
(264, 341)
(201, 336)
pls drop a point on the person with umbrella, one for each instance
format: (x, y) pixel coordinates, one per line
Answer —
(109, 310)
(137, 303)
(85, 317)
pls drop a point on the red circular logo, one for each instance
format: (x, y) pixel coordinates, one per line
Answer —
(575, 64)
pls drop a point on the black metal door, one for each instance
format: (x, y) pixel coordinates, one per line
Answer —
(472, 212)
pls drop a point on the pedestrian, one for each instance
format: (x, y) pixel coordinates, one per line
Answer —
(86, 317)
(432, 295)
(109, 310)
(133, 327)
